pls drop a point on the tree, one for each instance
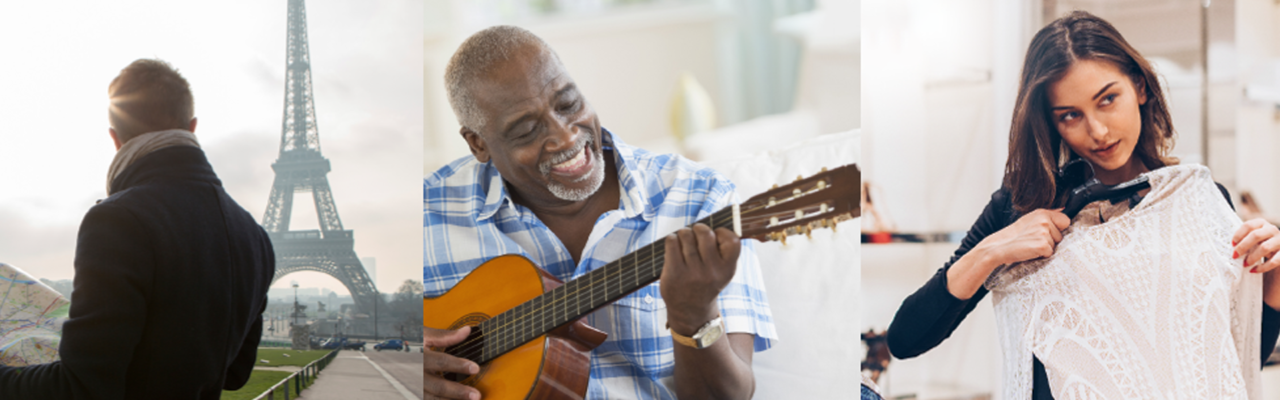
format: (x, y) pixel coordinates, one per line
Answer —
(406, 307)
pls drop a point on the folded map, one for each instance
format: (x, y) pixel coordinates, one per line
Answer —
(31, 318)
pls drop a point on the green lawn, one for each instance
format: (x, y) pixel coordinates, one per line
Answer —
(259, 382)
(296, 358)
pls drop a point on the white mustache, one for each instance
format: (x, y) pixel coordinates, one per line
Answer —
(545, 167)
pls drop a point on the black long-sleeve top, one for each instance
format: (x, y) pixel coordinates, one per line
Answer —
(171, 280)
(929, 315)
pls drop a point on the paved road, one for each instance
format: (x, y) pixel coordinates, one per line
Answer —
(404, 367)
(369, 375)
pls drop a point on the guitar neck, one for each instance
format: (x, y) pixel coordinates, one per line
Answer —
(583, 295)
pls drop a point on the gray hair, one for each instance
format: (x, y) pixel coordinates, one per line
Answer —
(476, 57)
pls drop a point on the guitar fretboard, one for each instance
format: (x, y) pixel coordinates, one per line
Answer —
(580, 296)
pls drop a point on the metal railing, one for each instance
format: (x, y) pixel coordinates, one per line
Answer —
(301, 379)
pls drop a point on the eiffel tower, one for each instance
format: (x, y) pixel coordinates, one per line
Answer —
(300, 167)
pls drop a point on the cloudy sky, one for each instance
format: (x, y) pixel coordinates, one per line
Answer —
(58, 58)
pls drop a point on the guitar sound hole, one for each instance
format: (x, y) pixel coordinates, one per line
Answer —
(468, 349)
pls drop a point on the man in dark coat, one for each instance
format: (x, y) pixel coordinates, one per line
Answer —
(171, 274)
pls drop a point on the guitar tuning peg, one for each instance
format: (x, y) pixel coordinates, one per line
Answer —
(824, 169)
(795, 192)
(799, 178)
(775, 186)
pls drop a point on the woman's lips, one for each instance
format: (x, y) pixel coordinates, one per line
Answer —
(1108, 151)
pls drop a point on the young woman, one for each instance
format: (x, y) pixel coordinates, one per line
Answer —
(1085, 94)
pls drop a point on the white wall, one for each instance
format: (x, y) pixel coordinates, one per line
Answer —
(1257, 141)
(625, 64)
(627, 61)
(934, 141)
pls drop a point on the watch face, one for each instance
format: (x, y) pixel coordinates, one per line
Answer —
(709, 336)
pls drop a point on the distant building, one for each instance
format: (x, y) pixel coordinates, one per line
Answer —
(371, 266)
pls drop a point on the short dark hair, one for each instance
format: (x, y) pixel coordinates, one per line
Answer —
(1036, 149)
(149, 95)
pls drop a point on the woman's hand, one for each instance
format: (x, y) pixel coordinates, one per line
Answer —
(1258, 243)
(1032, 236)
(434, 363)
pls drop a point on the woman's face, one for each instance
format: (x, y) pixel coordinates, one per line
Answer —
(1095, 108)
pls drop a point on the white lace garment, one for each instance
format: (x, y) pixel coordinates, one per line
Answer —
(1137, 304)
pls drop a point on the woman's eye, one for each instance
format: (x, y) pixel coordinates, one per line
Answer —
(1108, 99)
(1068, 116)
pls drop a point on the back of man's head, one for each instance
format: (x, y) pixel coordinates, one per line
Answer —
(148, 96)
(477, 57)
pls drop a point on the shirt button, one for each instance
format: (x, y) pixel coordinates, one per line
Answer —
(648, 299)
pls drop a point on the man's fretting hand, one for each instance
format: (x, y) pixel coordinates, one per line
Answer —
(699, 263)
(433, 363)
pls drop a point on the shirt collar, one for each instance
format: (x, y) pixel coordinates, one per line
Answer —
(630, 177)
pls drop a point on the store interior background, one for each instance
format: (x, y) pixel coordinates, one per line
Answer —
(783, 82)
(940, 78)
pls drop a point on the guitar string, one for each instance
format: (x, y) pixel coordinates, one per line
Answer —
(470, 345)
(647, 265)
(473, 346)
(656, 251)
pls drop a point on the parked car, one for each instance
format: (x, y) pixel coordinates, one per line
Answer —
(332, 343)
(391, 344)
(352, 345)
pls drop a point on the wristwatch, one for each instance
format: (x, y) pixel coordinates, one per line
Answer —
(706, 336)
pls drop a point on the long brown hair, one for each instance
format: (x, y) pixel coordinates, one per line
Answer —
(1036, 150)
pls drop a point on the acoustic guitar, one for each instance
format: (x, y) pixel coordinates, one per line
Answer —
(528, 334)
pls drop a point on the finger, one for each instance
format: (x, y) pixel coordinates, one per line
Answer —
(729, 245)
(1054, 234)
(688, 247)
(672, 260)
(1059, 219)
(443, 337)
(440, 388)
(1265, 249)
(1252, 239)
(1245, 228)
(707, 246)
(1272, 264)
(435, 361)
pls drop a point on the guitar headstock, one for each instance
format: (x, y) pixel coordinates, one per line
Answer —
(819, 201)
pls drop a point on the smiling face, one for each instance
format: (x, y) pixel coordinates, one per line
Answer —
(539, 131)
(1095, 108)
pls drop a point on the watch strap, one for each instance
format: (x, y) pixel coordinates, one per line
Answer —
(694, 343)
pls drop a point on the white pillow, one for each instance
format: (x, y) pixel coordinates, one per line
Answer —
(812, 284)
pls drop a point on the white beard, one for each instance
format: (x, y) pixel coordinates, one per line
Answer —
(594, 179)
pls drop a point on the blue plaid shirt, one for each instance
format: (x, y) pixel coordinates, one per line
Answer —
(469, 218)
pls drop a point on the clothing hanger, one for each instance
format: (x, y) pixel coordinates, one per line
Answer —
(1078, 174)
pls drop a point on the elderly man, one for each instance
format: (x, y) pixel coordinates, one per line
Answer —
(544, 180)
(171, 274)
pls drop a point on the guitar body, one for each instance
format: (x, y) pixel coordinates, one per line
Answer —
(553, 366)
(537, 348)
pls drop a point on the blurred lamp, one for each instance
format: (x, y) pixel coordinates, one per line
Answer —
(691, 109)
